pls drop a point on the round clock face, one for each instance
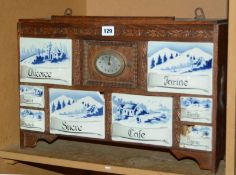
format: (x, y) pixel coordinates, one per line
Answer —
(110, 63)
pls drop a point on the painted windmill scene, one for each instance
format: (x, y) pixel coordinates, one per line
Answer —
(32, 120)
(32, 96)
(74, 111)
(180, 65)
(151, 114)
(196, 109)
(46, 59)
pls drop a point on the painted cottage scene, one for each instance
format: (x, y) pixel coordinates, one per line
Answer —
(128, 110)
(143, 112)
(139, 112)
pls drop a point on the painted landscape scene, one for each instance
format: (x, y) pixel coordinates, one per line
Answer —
(76, 112)
(32, 119)
(141, 111)
(76, 104)
(142, 119)
(46, 58)
(196, 109)
(37, 51)
(196, 137)
(178, 67)
(180, 57)
(32, 96)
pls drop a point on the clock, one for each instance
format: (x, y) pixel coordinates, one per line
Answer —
(110, 63)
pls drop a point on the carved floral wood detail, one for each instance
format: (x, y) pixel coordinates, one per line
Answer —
(172, 32)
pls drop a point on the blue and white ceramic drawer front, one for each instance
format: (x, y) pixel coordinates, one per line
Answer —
(77, 113)
(196, 137)
(32, 96)
(142, 119)
(180, 67)
(195, 109)
(33, 120)
(46, 60)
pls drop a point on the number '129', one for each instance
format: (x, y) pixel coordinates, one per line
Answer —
(108, 30)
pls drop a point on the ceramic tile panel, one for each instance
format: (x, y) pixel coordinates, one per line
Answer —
(195, 109)
(46, 60)
(33, 120)
(32, 96)
(142, 119)
(180, 67)
(196, 137)
(77, 113)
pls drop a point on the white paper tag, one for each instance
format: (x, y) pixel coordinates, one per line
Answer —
(108, 30)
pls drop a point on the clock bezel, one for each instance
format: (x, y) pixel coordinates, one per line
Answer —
(115, 54)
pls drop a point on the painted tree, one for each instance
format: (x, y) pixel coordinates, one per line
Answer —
(58, 105)
(49, 50)
(39, 117)
(68, 103)
(53, 107)
(159, 60)
(152, 63)
(63, 104)
(207, 105)
(165, 58)
(208, 64)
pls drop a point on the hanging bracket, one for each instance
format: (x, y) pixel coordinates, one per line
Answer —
(199, 14)
(68, 12)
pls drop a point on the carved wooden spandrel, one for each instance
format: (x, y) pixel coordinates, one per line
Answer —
(204, 160)
(30, 139)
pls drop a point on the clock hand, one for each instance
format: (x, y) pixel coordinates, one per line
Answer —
(109, 61)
